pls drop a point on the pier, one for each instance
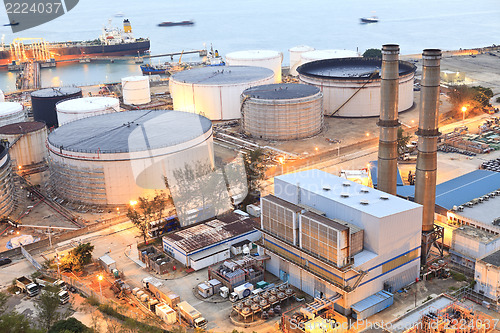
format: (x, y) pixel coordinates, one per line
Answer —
(201, 53)
(29, 78)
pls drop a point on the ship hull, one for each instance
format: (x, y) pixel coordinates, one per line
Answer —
(75, 52)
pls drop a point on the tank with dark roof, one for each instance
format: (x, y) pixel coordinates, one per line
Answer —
(44, 102)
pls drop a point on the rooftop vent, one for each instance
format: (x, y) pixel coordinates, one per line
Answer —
(346, 184)
(460, 208)
(469, 204)
(454, 208)
(384, 197)
(364, 190)
(326, 188)
(344, 195)
(364, 202)
(492, 194)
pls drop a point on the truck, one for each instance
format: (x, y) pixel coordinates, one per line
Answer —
(153, 286)
(241, 292)
(27, 286)
(63, 296)
(45, 281)
(191, 315)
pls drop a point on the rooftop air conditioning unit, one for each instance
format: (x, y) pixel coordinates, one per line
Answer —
(384, 197)
(364, 202)
(346, 184)
(455, 208)
(364, 190)
(344, 195)
(326, 188)
(460, 208)
(469, 204)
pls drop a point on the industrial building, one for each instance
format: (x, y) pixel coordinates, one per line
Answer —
(487, 276)
(351, 86)
(79, 108)
(215, 92)
(26, 142)
(6, 186)
(208, 243)
(258, 58)
(114, 158)
(329, 237)
(282, 111)
(11, 112)
(468, 244)
(44, 102)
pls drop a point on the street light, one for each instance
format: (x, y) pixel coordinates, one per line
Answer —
(464, 109)
(281, 160)
(133, 203)
(99, 278)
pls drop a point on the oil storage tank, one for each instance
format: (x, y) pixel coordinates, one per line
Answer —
(351, 86)
(44, 103)
(26, 142)
(6, 185)
(295, 57)
(114, 158)
(215, 92)
(314, 55)
(79, 108)
(282, 111)
(258, 58)
(136, 90)
(11, 112)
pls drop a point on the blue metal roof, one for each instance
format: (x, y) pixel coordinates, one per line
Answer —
(373, 174)
(371, 301)
(457, 191)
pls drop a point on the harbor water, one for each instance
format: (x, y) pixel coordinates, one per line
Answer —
(262, 24)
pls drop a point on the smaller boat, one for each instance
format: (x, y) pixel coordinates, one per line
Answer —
(155, 69)
(172, 24)
(371, 19)
(119, 14)
(12, 23)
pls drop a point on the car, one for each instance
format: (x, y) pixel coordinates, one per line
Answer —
(5, 261)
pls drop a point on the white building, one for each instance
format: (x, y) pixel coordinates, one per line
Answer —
(208, 243)
(388, 258)
(487, 276)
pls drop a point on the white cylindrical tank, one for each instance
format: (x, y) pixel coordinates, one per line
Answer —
(114, 158)
(26, 141)
(258, 58)
(6, 183)
(2, 96)
(136, 90)
(215, 91)
(283, 111)
(295, 57)
(78, 108)
(314, 55)
(11, 112)
(351, 86)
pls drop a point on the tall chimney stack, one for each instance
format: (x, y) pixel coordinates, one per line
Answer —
(428, 133)
(388, 122)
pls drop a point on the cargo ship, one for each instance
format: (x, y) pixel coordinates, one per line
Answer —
(173, 24)
(113, 42)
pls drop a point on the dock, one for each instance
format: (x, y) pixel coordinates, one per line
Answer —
(29, 78)
(137, 58)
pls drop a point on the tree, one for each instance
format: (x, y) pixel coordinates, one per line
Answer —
(373, 53)
(47, 307)
(78, 257)
(255, 169)
(403, 140)
(70, 325)
(476, 97)
(146, 211)
(13, 322)
(3, 302)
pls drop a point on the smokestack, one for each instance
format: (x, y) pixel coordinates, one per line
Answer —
(425, 187)
(388, 122)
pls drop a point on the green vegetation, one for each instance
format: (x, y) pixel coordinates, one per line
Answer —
(47, 307)
(13, 322)
(70, 325)
(403, 140)
(472, 98)
(458, 276)
(497, 99)
(373, 53)
(255, 170)
(146, 210)
(427, 299)
(77, 258)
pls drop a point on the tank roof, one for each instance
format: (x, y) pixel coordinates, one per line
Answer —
(301, 48)
(129, 131)
(223, 75)
(253, 54)
(135, 78)
(8, 108)
(56, 92)
(21, 128)
(87, 104)
(349, 68)
(281, 91)
(328, 54)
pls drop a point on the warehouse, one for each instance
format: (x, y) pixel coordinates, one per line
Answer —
(114, 158)
(339, 245)
(208, 243)
(487, 276)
